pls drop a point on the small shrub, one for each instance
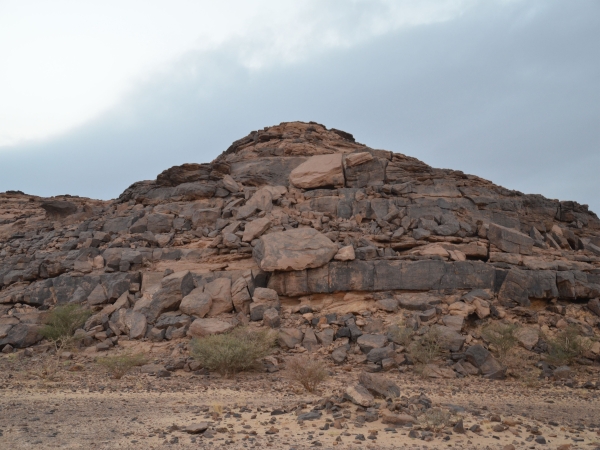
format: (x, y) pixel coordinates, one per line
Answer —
(307, 371)
(62, 322)
(233, 352)
(427, 349)
(566, 346)
(502, 337)
(119, 365)
(400, 334)
(436, 418)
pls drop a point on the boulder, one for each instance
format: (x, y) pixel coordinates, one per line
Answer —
(196, 303)
(510, 240)
(265, 296)
(295, 249)
(310, 341)
(319, 171)
(379, 384)
(271, 318)
(173, 288)
(207, 327)
(240, 296)
(482, 359)
(449, 339)
(345, 254)
(57, 209)
(289, 337)
(528, 337)
(339, 355)
(136, 324)
(255, 229)
(220, 294)
(21, 335)
(368, 342)
(359, 395)
(397, 419)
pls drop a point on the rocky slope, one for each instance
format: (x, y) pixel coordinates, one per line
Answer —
(303, 229)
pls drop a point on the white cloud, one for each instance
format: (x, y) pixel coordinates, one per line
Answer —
(65, 62)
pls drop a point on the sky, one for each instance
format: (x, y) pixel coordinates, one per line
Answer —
(97, 95)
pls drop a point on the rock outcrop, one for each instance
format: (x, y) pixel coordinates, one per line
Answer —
(296, 220)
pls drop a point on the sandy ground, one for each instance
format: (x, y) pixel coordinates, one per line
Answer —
(87, 409)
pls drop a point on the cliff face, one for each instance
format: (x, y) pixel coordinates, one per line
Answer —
(293, 216)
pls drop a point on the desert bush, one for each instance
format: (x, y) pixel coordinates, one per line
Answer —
(501, 336)
(400, 334)
(62, 321)
(307, 371)
(436, 418)
(427, 349)
(567, 345)
(233, 352)
(119, 365)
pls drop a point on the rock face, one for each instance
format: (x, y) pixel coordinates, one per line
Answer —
(303, 229)
(304, 248)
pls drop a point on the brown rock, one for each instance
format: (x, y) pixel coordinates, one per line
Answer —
(196, 303)
(196, 428)
(255, 229)
(359, 395)
(398, 419)
(379, 384)
(295, 249)
(319, 171)
(220, 294)
(206, 327)
(345, 254)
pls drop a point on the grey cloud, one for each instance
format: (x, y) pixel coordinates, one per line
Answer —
(508, 92)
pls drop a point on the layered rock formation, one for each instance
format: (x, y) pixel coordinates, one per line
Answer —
(296, 218)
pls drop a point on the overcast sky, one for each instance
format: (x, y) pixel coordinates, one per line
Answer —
(97, 95)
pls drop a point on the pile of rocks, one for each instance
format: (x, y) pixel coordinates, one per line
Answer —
(301, 228)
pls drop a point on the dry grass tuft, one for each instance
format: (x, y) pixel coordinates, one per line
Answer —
(310, 373)
(119, 365)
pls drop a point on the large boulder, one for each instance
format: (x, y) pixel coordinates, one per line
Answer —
(168, 298)
(482, 359)
(220, 294)
(319, 171)
(510, 240)
(206, 327)
(196, 303)
(296, 249)
(379, 385)
(21, 335)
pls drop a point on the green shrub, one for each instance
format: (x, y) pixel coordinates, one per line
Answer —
(119, 365)
(427, 349)
(233, 352)
(567, 345)
(62, 321)
(501, 336)
(307, 371)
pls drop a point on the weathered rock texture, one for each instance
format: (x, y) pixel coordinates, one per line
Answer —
(323, 222)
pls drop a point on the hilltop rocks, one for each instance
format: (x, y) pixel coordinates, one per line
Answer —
(300, 228)
(295, 249)
(319, 171)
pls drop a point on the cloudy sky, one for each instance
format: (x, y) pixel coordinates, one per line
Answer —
(97, 95)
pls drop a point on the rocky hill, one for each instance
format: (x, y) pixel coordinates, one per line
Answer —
(312, 233)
